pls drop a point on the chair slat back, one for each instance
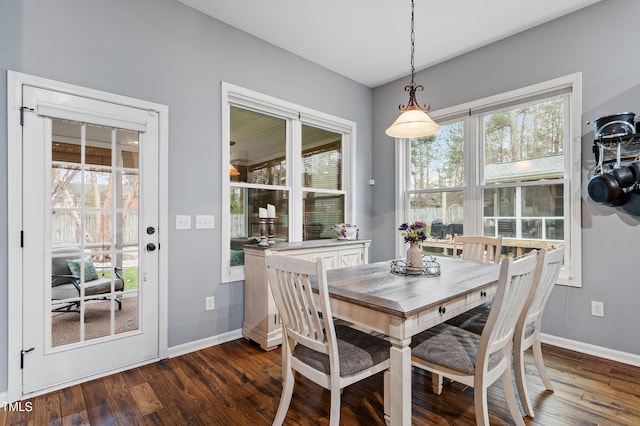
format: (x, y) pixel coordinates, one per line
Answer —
(514, 286)
(478, 248)
(550, 263)
(303, 320)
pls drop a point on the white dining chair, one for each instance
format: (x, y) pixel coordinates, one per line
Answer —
(333, 356)
(527, 333)
(479, 360)
(477, 248)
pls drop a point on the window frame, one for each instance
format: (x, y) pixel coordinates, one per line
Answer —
(472, 113)
(295, 116)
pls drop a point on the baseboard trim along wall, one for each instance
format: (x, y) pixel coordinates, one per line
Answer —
(586, 348)
(186, 348)
(589, 349)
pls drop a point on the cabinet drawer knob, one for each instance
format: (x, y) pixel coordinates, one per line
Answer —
(483, 293)
(442, 309)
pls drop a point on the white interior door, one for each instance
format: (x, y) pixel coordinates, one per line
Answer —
(90, 256)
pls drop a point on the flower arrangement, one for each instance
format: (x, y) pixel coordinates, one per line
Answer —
(413, 232)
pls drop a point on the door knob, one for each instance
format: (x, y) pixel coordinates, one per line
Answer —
(151, 247)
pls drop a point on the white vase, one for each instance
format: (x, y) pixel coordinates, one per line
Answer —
(414, 258)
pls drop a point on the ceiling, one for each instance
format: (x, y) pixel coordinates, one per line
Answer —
(369, 40)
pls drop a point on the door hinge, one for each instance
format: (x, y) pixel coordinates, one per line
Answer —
(21, 239)
(22, 352)
(22, 110)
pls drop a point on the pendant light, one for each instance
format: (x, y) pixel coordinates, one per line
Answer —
(232, 169)
(414, 121)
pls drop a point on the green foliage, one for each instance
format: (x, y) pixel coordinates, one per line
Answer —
(532, 131)
(437, 161)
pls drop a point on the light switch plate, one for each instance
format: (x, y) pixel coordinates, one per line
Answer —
(205, 222)
(210, 303)
(183, 222)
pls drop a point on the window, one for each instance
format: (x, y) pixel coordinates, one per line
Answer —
(436, 180)
(290, 157)
(507, 165)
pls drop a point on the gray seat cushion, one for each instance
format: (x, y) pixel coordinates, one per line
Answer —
(472, 320)
(62, 278)
(357, 351)
(475, 319)
(451, 347)
(91, 288)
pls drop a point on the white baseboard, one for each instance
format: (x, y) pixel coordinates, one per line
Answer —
(586, 348)
(589, 349)
(204, 343)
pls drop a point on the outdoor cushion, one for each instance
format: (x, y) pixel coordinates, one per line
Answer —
(89, 269)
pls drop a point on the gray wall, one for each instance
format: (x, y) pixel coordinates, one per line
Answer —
(165, 52)
(600, 41)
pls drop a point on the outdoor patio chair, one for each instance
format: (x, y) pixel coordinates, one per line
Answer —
(66, 282)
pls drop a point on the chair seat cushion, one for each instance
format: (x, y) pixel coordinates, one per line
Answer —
(357, 351)
(451, 347)
(475, 319)
(472, 320)
(91, 288)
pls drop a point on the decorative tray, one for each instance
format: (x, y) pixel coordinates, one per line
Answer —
(430, 267)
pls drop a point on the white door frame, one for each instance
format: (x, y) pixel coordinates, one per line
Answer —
(15, 81)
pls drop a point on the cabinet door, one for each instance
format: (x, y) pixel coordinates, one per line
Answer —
(350, 257)
(330, 258)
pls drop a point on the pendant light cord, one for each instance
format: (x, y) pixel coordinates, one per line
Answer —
(412, 88)
(413, 45)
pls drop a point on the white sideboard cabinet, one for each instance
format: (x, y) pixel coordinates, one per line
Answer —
(261, 320)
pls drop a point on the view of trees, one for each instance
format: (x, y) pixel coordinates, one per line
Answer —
(68, 199)
(532, 131)
(437, 161)
(525, 132)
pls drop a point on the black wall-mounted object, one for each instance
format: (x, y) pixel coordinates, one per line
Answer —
(616, 148)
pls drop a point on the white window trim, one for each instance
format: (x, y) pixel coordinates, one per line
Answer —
(571, 275)
(295, 116)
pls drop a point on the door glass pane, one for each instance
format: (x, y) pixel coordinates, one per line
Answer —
(94, 226)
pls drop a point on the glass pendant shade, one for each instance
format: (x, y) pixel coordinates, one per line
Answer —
(413, 123)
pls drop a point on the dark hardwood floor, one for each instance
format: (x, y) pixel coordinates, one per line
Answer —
(237, 383)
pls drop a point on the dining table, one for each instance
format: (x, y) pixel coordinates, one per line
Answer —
(400, 305)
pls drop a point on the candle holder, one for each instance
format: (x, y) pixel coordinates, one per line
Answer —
(263, 233)
(271, 230)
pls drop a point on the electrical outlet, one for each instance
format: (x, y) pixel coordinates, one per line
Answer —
(205, 222)
(210, 303)
(597, 309)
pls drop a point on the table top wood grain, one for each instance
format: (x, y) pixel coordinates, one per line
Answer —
(375, 287)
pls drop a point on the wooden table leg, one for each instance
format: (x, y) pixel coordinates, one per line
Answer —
(398, 385)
